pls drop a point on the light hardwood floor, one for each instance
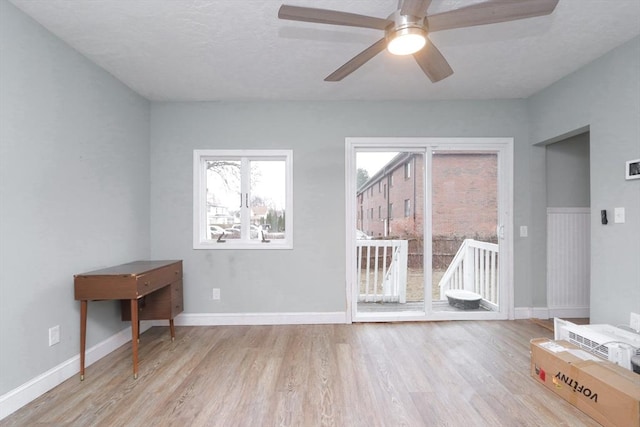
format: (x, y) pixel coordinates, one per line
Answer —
(401, 374)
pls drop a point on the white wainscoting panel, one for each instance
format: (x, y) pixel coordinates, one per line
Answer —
(568, 261)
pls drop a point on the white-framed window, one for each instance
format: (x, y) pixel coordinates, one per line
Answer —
(242, 199)
(407, 208)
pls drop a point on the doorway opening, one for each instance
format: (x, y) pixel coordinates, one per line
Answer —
(568, 227)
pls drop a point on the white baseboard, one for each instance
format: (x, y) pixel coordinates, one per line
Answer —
(550, 313)
(531, 313)
(569, 312)
(213, 319)
(34, 388)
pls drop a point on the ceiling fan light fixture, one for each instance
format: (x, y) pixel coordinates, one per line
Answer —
(406, 29)
(406, 41)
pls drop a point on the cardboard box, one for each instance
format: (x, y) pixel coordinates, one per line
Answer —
(603, 390)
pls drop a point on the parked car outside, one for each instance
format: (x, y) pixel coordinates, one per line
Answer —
(216, 231)
(235, 231)
(231, 233)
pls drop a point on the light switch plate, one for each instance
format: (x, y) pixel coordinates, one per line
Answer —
(524, 231)
(618, 215)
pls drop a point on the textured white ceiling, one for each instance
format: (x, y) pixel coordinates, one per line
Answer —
(239, 50)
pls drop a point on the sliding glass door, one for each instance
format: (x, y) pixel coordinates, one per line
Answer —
(426, 228)
(464, 231)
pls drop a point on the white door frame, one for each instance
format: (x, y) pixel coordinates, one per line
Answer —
(504, 147)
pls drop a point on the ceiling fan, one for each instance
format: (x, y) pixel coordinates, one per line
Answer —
(407, 29)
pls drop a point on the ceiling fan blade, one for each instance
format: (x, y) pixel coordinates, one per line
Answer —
(490, 12)
(333, 17)
(416, 8)
(357, 61)
(433, 63)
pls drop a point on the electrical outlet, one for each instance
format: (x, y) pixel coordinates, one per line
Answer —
(634, 321)
(215, 295)
(54, 335)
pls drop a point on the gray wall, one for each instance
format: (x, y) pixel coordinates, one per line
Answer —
(567, 163)
(605, 96)
(74, 192)
(311, 277)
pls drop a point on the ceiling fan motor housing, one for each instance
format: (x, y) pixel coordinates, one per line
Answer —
(405, 25)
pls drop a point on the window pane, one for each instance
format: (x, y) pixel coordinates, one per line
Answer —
(399, 221)
(223, 198)
(267, 199)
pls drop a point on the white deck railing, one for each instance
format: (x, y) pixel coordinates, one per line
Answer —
(382, 270)
(474, 268)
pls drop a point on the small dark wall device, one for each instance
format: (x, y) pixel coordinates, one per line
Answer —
(603, 217)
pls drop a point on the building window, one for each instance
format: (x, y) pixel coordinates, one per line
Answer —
(407, 208)
(390, 210)
(379, 186)
(385, 191)
(407, 170)
(391, 180)
(243, 199)
(379, 212)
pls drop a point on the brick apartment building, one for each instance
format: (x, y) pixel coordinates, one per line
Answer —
(391, 203)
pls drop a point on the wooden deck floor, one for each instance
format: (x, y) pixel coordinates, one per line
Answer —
(390, 307)
(473, 373)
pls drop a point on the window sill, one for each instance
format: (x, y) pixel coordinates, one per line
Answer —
(257, 245)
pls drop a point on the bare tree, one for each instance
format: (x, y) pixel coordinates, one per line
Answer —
(228, 171)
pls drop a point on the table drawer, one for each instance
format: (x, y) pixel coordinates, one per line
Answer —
(165, 303)
(176, 298)
(156, 279)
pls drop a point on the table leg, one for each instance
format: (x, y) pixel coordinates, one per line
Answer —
(134, 336)
(83, 335)
(172, 329)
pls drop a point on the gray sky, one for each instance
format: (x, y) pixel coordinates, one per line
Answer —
(373, 161)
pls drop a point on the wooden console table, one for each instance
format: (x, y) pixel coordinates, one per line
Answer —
(150, 290)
